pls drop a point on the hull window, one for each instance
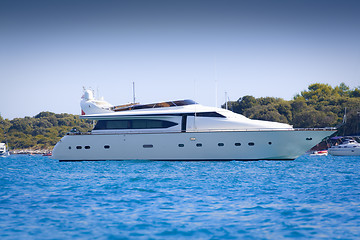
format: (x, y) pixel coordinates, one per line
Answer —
(238, 144)
(220, 144)
(251, 144)
(133, 124)
(87, 147)
(106, 146)
(148, 146)
(181, 145)
(199, 145)
(78, 147)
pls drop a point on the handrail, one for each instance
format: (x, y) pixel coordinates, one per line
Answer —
(115, 132)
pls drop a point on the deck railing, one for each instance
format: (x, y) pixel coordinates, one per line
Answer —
(121, 132)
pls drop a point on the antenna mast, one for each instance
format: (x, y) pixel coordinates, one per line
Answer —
(134, 92)
(226, 101)
(216, 84)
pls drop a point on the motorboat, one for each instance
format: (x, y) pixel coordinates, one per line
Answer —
(47, 154)
(319, 153)
(180, 130)
(347, 147)
(3, 150)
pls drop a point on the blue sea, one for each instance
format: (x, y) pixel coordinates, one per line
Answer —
(308, 198)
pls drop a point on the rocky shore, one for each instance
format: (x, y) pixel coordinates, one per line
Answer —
(30, 151)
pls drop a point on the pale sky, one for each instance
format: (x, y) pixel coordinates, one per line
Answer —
(172, 50)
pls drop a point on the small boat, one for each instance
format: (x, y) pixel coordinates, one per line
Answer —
(319, 153)
(3, 150)
(347, 147)
(47, 154)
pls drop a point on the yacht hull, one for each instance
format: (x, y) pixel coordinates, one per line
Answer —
(187, 146)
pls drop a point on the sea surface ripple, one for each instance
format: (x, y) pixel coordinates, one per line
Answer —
(308, 198)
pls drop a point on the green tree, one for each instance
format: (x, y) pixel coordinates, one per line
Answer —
(319, 106)
(41, 131)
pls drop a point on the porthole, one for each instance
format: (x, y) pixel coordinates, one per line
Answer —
(199, 145)
(269, 143)
(220, 144)
(238, 144)
(181, 145)
(106, 146)
(192, 139)
(148, 146)
(309, 138)
(69, 147)
(78, 147)
(251, 144)
(87, 147)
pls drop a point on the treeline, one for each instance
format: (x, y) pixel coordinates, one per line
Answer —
(42, 131)
(319, 106)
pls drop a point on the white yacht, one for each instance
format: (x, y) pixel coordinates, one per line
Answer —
(348, 147)
(180, 130)
(3, 150)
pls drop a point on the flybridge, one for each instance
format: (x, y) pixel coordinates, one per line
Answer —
(90, 105)
(137, 106)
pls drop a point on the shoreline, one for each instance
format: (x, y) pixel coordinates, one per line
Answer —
(30, 151)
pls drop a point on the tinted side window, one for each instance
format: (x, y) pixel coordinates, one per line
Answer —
(139, 124)
(133, 124)
(117, 124)
(209, 114)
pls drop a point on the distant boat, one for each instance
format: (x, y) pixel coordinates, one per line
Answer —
(348, 147)
(3, 150)
(180, 130)
(47, 154)
(319, 153)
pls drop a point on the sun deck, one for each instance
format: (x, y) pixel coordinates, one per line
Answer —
(136, 106)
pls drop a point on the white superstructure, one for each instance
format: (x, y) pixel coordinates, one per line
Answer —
(180, 130)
